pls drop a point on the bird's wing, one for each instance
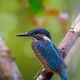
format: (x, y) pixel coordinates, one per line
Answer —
(51, 55)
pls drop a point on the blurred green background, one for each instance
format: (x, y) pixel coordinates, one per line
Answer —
(18, 16)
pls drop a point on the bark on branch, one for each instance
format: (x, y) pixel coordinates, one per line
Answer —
(64, 48)
(8, 67)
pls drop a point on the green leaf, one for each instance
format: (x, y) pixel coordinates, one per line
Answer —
(35, 5)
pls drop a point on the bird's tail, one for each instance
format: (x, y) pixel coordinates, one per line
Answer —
(63, 75)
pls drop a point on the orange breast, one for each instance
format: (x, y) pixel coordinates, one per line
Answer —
(42, 60)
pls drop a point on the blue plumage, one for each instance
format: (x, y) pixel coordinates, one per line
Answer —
(46, 51)
(51, 56)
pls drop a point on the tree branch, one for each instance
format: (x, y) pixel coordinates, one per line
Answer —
(8, 67)
(64, 47)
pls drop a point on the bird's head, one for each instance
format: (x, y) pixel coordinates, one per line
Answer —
(36, 34)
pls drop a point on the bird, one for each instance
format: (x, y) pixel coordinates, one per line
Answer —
(46, 51)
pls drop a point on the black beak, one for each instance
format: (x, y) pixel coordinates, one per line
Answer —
(23, 34)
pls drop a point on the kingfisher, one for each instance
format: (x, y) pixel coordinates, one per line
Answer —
(46, 51)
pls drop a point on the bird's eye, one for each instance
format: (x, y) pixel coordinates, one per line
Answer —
(29, 32)
(34, 33)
